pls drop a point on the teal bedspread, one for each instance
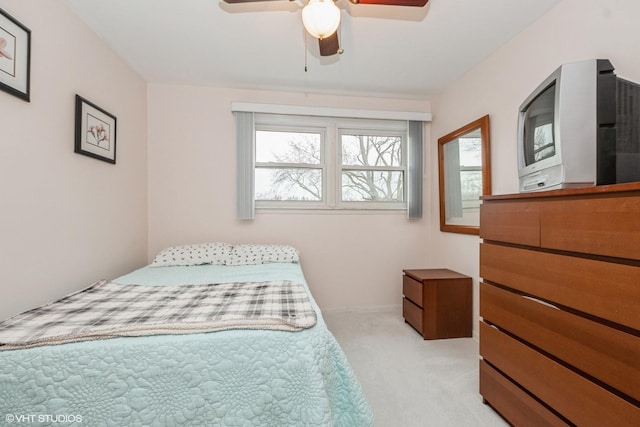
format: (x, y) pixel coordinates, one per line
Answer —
(227, 378)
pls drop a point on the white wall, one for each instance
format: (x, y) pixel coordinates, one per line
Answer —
(574, 30)
(350, 260)
(67, 220)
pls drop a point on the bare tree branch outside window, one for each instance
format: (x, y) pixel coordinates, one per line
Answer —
(370, 168)
(289, 167)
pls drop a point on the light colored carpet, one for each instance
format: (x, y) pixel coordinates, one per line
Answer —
(408, 381)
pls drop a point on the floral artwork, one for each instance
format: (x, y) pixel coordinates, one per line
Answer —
(15, 54)
(98, 134)
(95, 131)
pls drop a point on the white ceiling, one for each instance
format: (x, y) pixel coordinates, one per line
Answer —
(389, 51)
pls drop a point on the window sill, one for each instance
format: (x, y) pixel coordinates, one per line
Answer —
(331, 211)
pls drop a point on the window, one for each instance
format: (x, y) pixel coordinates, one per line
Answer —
(286, 160)
(372, 166)
(329, 163)
(289, 165)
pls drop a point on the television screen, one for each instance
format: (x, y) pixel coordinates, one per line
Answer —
(539, 142)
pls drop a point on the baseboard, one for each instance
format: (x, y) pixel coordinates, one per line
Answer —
(381, 309)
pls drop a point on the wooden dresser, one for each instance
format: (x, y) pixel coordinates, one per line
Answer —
(437, 303)
(560, 306)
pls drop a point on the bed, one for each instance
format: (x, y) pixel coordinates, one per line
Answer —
(232, 377)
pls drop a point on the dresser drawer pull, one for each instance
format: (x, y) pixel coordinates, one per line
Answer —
(540, 301)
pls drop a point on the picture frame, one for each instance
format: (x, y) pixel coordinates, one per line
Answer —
(95, 131)
(15, 57)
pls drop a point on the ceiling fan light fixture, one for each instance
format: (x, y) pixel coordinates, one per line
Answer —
(321, 18)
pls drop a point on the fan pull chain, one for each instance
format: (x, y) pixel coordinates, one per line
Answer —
(305, 51)
(340, 49)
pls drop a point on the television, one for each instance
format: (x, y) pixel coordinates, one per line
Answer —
(579, 127)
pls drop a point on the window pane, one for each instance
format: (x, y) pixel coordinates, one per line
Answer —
(358, 186)
(471, 185)
(287, 147)
(369, 150)
(288, 184)
(470, 152)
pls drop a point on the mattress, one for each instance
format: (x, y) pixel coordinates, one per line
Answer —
(225, 378)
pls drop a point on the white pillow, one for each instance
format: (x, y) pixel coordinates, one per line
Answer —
(262, 254)
(203, 253)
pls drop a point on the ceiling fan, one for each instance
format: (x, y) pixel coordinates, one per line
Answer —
(321, 19)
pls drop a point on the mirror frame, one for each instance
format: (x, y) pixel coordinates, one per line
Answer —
(482, 124)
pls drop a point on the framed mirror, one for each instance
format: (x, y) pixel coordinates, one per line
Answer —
(464, 166)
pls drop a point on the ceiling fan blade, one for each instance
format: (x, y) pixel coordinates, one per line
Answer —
(329, 45)
(416, 3)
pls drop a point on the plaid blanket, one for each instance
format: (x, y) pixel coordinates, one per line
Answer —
(108, 310)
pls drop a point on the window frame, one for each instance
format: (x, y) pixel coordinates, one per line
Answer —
(381, 131)
(331, 130)
(322, 165)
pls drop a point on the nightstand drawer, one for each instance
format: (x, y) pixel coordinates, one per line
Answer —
(412, 314)
(412, 289)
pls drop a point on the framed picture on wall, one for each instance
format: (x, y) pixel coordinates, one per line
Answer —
(95, 131)
(15, 56)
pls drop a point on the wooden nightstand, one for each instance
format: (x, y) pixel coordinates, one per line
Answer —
(437, 303)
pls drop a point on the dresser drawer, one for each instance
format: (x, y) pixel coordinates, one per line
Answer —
(412, 289)
(575, 397)
(412, 314)
(514, 404)
(607, 290)
(608, 354)
(512, 222)
(599, 226)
